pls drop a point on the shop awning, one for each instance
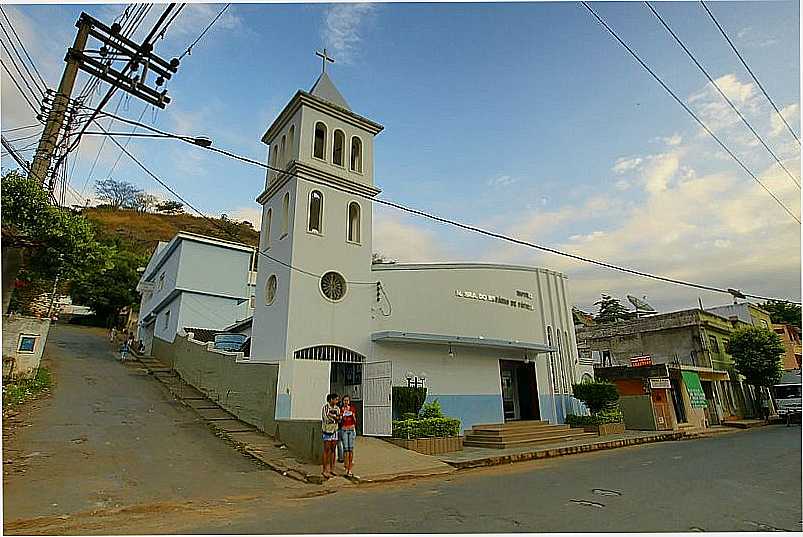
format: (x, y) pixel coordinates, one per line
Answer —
(390, 336)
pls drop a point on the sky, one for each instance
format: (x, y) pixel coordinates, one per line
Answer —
(522, 118)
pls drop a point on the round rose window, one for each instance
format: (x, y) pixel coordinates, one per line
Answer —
(333, 286)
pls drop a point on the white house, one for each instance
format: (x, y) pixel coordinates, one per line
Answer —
(195, 281)
(490, 342)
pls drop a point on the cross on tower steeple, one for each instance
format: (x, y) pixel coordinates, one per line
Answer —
(324, 58)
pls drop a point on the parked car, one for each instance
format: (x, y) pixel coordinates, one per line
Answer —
(787, 396)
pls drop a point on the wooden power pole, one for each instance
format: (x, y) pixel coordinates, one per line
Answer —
(114, 47)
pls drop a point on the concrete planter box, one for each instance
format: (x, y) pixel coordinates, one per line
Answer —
(430, 446)
(604, 428)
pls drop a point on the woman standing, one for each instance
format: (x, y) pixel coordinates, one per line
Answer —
(348, 428)
(330, 416)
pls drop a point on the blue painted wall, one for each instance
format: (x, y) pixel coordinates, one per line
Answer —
(282, 406)
(471, 409)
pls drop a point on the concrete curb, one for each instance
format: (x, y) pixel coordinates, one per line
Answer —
(548, 453)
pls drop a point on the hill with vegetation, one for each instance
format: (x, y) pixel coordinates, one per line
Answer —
(141, 230)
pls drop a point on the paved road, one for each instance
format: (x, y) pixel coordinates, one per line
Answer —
(112, 436)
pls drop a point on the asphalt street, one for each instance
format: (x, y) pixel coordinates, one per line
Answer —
(110, 451)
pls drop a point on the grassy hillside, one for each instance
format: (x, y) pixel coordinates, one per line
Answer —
(144, 230)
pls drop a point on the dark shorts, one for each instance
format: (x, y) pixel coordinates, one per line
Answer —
(330, 437)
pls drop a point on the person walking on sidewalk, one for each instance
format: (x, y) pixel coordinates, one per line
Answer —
(112, 334)
(348, 433)
(124, 351)
(330, 418)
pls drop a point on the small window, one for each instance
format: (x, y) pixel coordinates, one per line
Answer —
(166, 322)
(285, 214)
(319, 143)
(725, 344)
(268, 224)
(27, 343)
(354, 222)
(291, 140)
(356, 154)
(161, 281)
(315, 211)
(270, 290)
(252, 302)
(714, 344)
(333, 286)
(338, 148)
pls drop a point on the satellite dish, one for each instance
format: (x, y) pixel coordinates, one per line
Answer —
(640, 304)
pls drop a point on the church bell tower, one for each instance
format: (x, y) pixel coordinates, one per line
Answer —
(314, 286)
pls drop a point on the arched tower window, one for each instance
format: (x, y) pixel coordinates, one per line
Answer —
(315, 211)
(291, 140)
(354, 222)
(268, 223)
(274, 159)
(356, 154)
(338, 148)
(319, 142)
(285, 214)
(282, 154)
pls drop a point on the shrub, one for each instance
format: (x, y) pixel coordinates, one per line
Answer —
(426, 428)
(408, 400)
(597, 395)
(16, 393)
(609, 415)
(431, 410)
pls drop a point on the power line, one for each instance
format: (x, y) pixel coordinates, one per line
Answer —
(100, 148)
(430, 216)
(205, 217)
(14, 80)
(22, 128)
(22, 45)
(36, 96)
(189, 48)
(752, 74)
(722, 93)
(690, 112)
(25, 137)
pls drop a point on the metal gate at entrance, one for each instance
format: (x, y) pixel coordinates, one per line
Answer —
(377, 395)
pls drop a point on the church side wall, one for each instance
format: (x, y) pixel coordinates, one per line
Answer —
(245, 389)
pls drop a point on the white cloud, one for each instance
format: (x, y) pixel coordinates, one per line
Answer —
(660, 169)
(626, 164)
(403, 240)
(343, 25)
(250, 214)
(502, 181)
(790, 113)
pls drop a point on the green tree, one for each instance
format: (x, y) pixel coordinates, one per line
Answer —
(757, 355)
(597, 395)
(109, 291)
(170, 207)
(783, 312)
(117, 193)
(57, 241)
(611, 310)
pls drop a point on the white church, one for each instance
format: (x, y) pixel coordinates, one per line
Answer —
(492, 343)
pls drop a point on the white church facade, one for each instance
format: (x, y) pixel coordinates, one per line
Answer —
(491, 342)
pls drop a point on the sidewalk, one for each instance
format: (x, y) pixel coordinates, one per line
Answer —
(474, 457)
(375, 461)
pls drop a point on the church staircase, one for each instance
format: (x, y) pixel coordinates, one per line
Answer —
(520, 433)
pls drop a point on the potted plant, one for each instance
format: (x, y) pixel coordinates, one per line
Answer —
(428, 432)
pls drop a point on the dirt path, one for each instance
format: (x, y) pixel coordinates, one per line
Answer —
(109, 438)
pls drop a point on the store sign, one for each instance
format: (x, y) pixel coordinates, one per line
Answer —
(694, 388)
(496, 299)
(638, 361)
(660, 384)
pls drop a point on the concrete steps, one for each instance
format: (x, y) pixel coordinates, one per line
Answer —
(520, 433)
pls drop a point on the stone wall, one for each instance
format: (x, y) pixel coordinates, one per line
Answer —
(17, 363)
(247, 390)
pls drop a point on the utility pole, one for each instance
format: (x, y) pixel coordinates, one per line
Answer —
(55, 119)
(115, 47)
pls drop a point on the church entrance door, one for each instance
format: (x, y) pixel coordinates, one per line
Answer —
(519, 390)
